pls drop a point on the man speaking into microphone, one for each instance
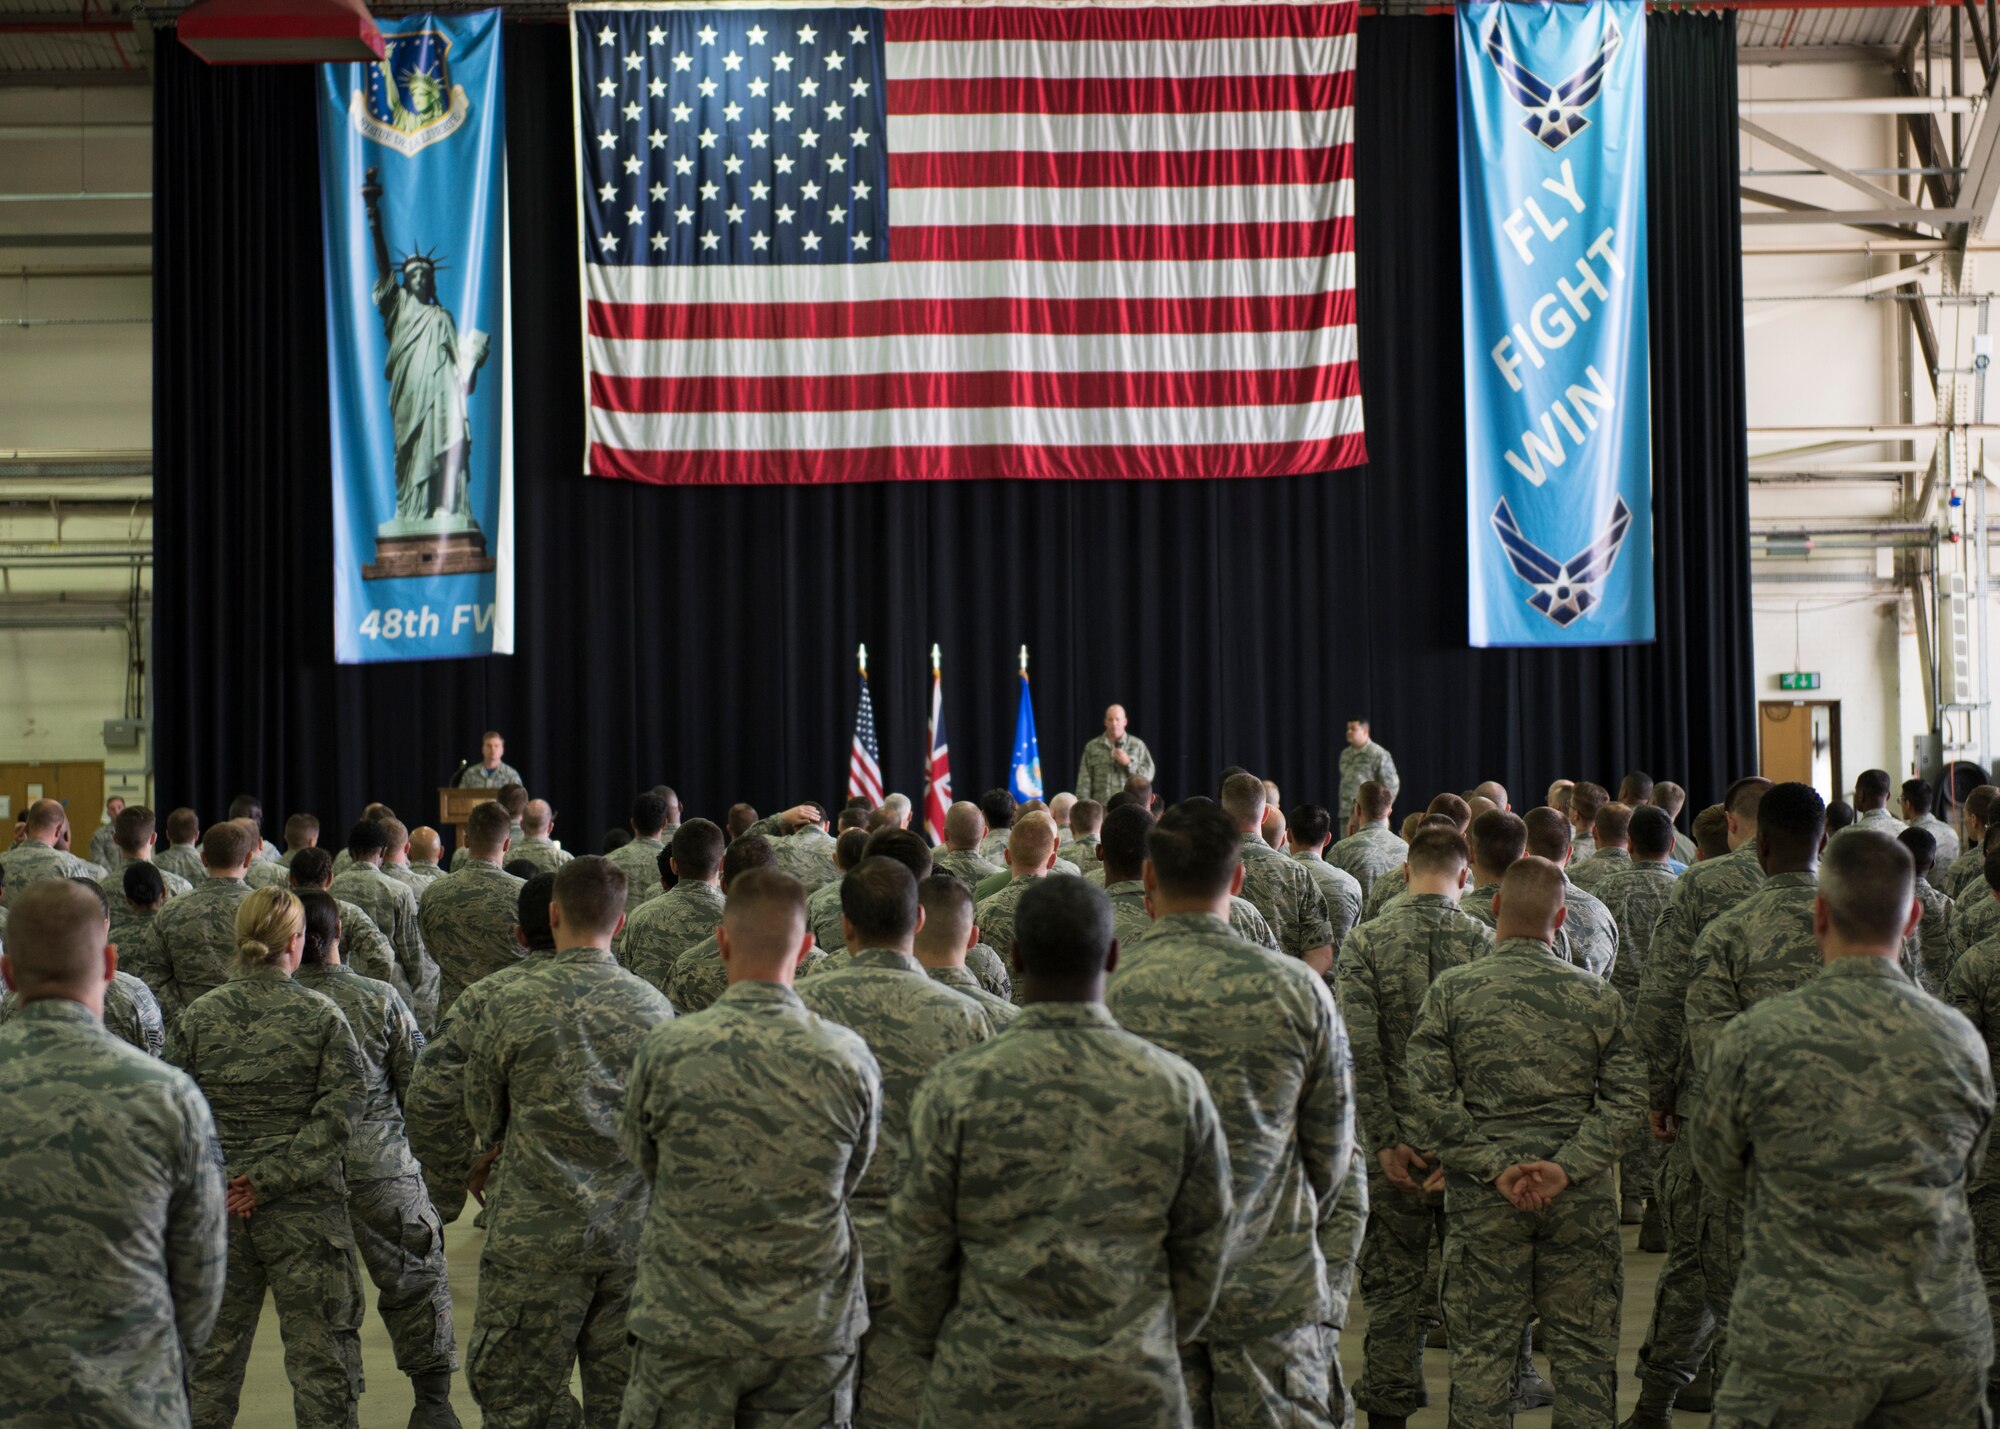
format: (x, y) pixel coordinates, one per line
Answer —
(1111, 758)
(492, 772)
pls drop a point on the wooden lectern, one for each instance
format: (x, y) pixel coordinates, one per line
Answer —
(455, 806)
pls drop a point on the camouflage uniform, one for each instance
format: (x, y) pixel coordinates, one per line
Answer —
(424, 874)
(392, 907)
(999, 1011)
(1678, 1340)
(1965, 871)
(1369, 763)
(667, 926)
(1383, 973)
(1367, 854)
(467, 921)
(544, 853)
(1340, 1240)
(1601, 865)
(268, 874)
(1477, 903)
(1383, 891)
(549, 1054)
(808, 856)
(984, 964)
(823, 915)
(1262, 1030)
(283, 1075)
(184, 859)
(113, 883)
(1974, 989)
(993, 848)
(700, 977)
(1637, 894)
(103, 850)
(995, 916)
(969, 866)
(1084, 853)
(189, 945)
(131, 1013)
(1975, 920)
(1340, 889)
(478, 776)
(1062, 1225)
(1849, 1116)
(1927, 951)
(1760, 948)
(397, 1231)
(911, 1024)
(748, 1308)
(1881, 820)
(1131, 921)
(640, 859)
(1944, 834)
(113, 1235)
(1589, 935)
(1099, 775)
(32, 861)
(1288, 896)
(1520, 1056)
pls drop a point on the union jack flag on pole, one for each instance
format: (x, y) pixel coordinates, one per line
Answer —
(937, 768)
(947, 242)
(864, 764)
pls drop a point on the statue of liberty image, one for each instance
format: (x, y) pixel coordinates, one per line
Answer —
(431, 369)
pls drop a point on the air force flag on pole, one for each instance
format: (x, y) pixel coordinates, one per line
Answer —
(1552, 217)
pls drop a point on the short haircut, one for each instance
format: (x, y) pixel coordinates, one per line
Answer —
(1062, 930)
(183, 826)
(1531, 891)
(742, 818)
(852, 818)
(531, 911)
(850, 848)
(998, 807)
(378, 811)
(487, 827)
(1866, 883)
(299, 829)
(536, 816)
(513, 798)
(366, 838)
(1032, 840)
(1792, 819)
(1651, 832)
(1979, 803)
(1635, 788)
(1711, 831)
(902, 845)
(1918, 794)
(425, 844)
(322, 919)
(1438, 850)
(1374, 800)
(1872, 787)
(266, 923)
(649, 815)
(879, 897)
(132, 830)
(1839, 814)
(491, 734)
(1499, 837)
(395, 831)
(1585, 800)
(1922, 848)
(947, 905)
(227, 845)
(1123, 843)
(1453, 808)
(1222, 780)
(521, 868)
(1244, 798)
(1086, 817)
(47, 814)
(143, 884)
(591, 893)
(247, 806)
(311, 867)
(1548, 834)
(55, 937)
(963, 824)
(750, 851)
(1311, 823)
(1669, 796)
(613, 840)
(1613, 823)
(697, 848)
(766, 916)
(1745, 795)
(1194, 849)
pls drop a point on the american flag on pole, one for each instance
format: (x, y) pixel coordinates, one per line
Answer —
(941, 242)
(937, 768)
(864, 764)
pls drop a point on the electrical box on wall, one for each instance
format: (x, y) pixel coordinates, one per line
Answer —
(123, 733)
(1927, 757)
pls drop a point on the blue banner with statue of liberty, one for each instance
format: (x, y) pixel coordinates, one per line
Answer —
(413, 166)
(1552, 230)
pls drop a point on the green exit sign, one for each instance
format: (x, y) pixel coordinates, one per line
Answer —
(1798, 680)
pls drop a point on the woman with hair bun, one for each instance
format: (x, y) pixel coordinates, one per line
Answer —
(282, 1073)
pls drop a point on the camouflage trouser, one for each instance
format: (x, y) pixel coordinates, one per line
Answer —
(807, 1392)
(305, 1254)
(536, 1319)
(402, 1244)
(1501, 1267)
(1721, 1258)
(1678, 1339)
(1277, 1382)
(1401, 1293)
(1985, 1203)
(889, 1372)
(1639, 1172)
(1947, 1390)
(1340, 1237)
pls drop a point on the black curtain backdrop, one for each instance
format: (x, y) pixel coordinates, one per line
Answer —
(706, 637)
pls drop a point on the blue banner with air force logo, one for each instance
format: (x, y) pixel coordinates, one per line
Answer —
(1552, 221)
(413, 192)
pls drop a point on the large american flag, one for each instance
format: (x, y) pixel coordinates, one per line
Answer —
(945, 242)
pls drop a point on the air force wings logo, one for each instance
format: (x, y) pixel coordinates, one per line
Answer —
(1563, 590)
(1555, 111)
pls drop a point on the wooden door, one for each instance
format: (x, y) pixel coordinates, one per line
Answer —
(1784, 738)
(78, 783)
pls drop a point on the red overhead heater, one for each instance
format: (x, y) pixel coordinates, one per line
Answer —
(272, 32)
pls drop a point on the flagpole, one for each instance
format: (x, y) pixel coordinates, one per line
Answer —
(861, 658)
(1024, 662)
(934, 662)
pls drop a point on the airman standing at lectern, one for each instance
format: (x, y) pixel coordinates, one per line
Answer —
(491, 772)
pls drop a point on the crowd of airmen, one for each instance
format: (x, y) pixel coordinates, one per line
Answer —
(1088, 1116)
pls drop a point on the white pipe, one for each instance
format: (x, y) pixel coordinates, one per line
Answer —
(1915, 104)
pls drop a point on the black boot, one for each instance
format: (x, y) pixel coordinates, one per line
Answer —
(433, 1409)
(1652, 1231)
(1655, 1409)
(1388, 1421)
(1699, 1397)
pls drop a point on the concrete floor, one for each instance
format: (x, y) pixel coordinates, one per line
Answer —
(267, 1399)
